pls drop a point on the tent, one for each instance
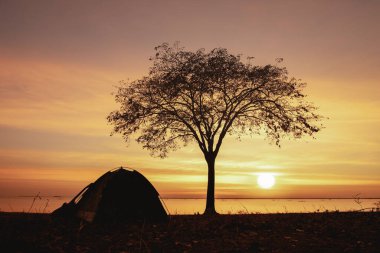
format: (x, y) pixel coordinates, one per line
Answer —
(117, 195)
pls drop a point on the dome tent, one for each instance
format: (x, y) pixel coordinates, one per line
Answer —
(117, 195)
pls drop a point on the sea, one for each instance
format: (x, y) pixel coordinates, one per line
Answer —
(47, 204)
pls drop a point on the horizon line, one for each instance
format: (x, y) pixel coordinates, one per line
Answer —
(63, 196)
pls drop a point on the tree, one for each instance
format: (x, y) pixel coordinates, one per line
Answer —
(203, 96)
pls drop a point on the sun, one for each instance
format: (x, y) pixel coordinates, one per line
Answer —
(266, 181)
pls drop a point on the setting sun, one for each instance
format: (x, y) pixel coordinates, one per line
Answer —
(266, 181)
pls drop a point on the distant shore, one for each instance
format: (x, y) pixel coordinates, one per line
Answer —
(43, 204)
(162, 197)
(302, 232)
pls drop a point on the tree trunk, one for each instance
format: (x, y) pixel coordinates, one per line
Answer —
(210, 202)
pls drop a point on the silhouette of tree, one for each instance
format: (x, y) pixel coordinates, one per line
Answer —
(203, 96)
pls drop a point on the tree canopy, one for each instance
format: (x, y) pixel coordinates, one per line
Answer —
(202, 96)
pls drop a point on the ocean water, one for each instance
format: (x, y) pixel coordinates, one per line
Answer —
(46, 204)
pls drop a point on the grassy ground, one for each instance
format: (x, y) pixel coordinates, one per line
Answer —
(312, 232)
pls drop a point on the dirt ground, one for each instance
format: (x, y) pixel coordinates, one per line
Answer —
(311, 232)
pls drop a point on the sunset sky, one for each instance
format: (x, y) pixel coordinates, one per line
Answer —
(61, 60)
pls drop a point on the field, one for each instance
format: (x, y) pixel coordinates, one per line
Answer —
(312, 232)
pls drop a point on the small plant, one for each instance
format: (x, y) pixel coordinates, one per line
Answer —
(358, 201)
(242, 212)
(46, 205)
(245, 208)
(34, 200)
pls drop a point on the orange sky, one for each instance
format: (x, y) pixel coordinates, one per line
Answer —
(60, 61)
